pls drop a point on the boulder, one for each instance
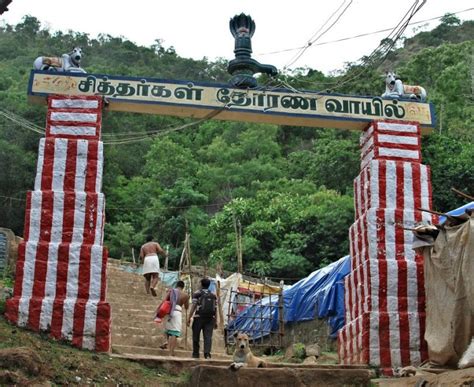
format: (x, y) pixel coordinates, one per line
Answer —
(313, 350)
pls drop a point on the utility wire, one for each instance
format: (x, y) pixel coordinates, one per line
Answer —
(379, 55)
(360, 35)
(21, 121)
(314, 39)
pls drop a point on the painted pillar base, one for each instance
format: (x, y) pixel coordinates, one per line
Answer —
(60, 280)
(384, 293)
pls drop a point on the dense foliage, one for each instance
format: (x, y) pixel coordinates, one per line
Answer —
(288, 188)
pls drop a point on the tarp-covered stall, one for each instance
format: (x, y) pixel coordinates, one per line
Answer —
(320, 295)
(449, 285)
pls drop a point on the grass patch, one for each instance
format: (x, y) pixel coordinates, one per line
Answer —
(62, 365)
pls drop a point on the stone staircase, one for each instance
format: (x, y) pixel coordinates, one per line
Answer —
(133, 330)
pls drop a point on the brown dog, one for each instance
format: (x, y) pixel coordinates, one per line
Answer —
(243, 356)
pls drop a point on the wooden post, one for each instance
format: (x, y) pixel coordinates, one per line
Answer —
(219, 306)
(281, 328)
(166, 258)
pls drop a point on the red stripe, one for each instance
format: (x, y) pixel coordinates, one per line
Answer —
(385, 355)
(90, 223)
(382, 185)
(430, 192)
(48, 161)
(26, 229)
(91, 177)
(41, 260)
(357, 204)
(368, 291)
(70, 170)
(61, 289)
(103, 283)
(384, 332)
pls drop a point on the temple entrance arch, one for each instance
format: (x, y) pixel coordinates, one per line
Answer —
(60, 281)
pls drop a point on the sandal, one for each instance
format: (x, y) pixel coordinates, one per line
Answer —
(164, 346)
(153, 292)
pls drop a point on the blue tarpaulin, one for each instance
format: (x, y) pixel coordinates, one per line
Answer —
(320, 295)
(457, 211)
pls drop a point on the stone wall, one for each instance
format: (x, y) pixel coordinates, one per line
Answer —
(309, 332)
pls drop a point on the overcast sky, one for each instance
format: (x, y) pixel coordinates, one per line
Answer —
(200, 28)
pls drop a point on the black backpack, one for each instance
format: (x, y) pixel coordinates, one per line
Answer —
(207, 305)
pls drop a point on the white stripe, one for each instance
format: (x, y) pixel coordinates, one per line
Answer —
(73, 117)
(95, 272)
(389, 126)
(346, 299)
(357, 194)
(68, 318)
(353, 294)
(74, 104)
(79, 217)
(390, 245)
(51, 273)
(100, 166)
(59, 164)
(406, 140)
(413, 322)
(374, 342)
(367, 158)
(409, 222)
(99, 223)
(39, 166)
(35, 215)
(394, 321)
(81, 165)
(23, 311)
(374, 184)
(58, 215)
(391, 183)
(73, 130)
(365, 135)
(73, 270)
(367, 146)
(372, 233)
(425, 193)
(408, 194)
(403, 153)
(373, 269)
(71, 290)
(27, 283)
(50, 287)
(90, 319)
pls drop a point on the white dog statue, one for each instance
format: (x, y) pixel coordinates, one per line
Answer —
(394, 88)
(67, 62)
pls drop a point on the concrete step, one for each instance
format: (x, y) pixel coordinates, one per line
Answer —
(156, 339)
(143, 321)
(216, 372)
(179, 352)
(153, 330)
(211, 375)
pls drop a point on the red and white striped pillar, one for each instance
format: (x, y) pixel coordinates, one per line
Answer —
(61, 269)
(384, 293)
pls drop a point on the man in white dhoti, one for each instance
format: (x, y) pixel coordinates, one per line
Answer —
(174, 321)
(151, 264)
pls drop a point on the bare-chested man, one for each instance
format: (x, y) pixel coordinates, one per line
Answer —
(173, 322)
(151, 264)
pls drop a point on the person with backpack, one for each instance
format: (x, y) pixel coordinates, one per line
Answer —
(204, 309)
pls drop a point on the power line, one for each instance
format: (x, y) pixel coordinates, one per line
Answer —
(381, 52)
(313, 39)
(360, 35)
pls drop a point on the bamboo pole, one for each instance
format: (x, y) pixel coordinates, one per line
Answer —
(219, 306)
(460, 193)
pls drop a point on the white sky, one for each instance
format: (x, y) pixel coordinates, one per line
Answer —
(200, 28)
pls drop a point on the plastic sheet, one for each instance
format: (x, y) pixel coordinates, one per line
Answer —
(320, 295)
